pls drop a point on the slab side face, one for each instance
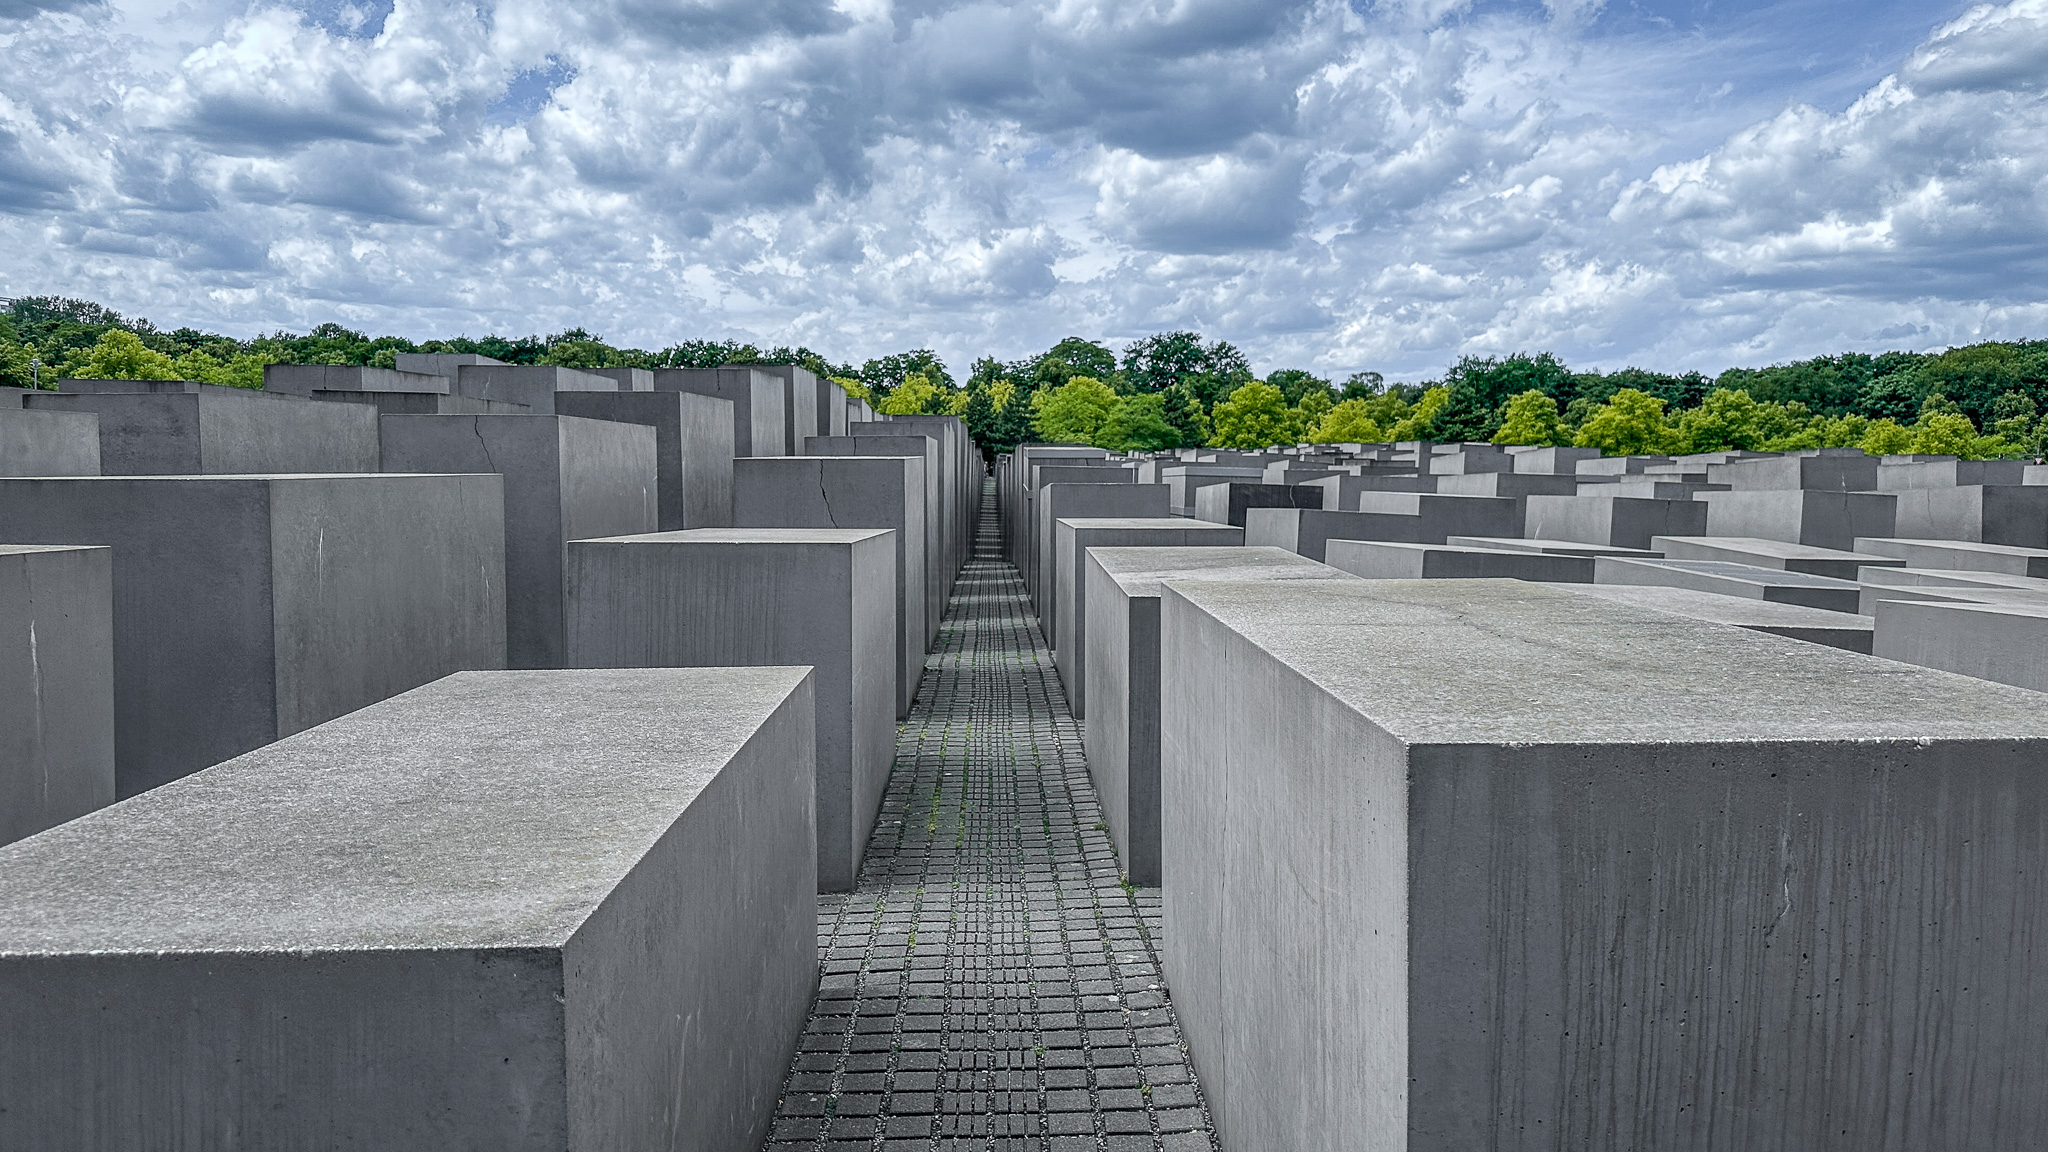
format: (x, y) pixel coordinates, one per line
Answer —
(1783, 904)
(357, 935)
(381, 584)
(40, 442)
(56, 686)
(250, 433)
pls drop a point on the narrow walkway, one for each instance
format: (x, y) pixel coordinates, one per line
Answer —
(991, 984)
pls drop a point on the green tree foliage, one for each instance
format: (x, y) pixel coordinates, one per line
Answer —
(1348, 422)
(914, 395)
(1206, 373)
(1418, 422)
(1072, 413)
(1255, 415)
(1188, 415)
(1309, 411)
(1532, 418)
(1975, 377)
(1360, 386)
(1137, 424)
(1480, 387)
(1887, 437)
(120, 355)
(1297, 385)
(1630, 423)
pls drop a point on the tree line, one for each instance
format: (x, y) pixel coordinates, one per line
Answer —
(1175, 389)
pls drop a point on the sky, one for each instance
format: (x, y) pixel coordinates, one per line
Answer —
(1381, 185)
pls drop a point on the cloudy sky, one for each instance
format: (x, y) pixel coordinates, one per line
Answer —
(1383, 184)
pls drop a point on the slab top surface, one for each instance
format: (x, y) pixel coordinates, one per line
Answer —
(1507, 661)
(1750, 573)
(749, 535)
(1777, 549)
(1140, 571)
(484, 810)
(1740, 611)
(1159, 523)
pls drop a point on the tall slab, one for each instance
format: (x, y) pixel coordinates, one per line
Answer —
(756, 398)
(1056, 502)
(736, 597)
(566, 478)
(247, 608)
(34, 442)
(925, 449)
(201, 429)
(692, 444)
(1073, 537)
(852, 492)
(1712, 889)
(56, 685)
(509, 910)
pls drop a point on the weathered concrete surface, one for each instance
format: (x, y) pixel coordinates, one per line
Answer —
(38, 443)
(1771, 554)
(1057, 502)
(247, 608)
(1844, 472)
(507, 910)
(1341, 493)
(1073, 537)
(925, 449)
(56, 685)
(1949, 585)
(533, 385)
(566, 478)
(202, 429)
(1554, 547)
(1616, 521)
(2007, 643)
(1392, 560)
(1184, 481)
(1851, 633)
(737, 597)
(1947, 473)
(1013, 495)
(422, 403)
(1824, 519)
(802, 416)
(1121, 733)
(1990, 514)
(1553, 461)
(446, 364)
(755, 396)
(852, 492)
(628, 379)
(1226, 503)
(1525, 869)
(307, 379)
(1966, 555)
(960, 475)
(692, 444)
(1731, 579)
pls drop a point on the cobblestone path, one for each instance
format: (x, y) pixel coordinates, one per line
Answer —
(991, 985)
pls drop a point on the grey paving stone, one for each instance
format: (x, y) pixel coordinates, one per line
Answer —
(990, 982)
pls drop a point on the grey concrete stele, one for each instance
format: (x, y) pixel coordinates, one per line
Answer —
(755, 396)
(533, 385)
(1056, 502)
(2006, 643)
(1392, 560)
(693, 441)
(1615, 521)
(1806, 516)
(851, 492)
(1732, 579)
(737, 597)
(202, 429)
(1851, 633)
(1226, 503)
(2008, 514)
(1073, 537)
(247, 608)
(1964, 555)
(56, 685)
(538, 911)
(922, 447)
(1526, 869)
(1771, 554)
(38, 443)
(566, 478)
(1121, 733)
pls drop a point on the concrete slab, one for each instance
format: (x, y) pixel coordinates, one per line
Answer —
(247, 608)
(693, 440)
(507, 911)
(1392, 560)
(1616, 521)
(1226, 503)
(1553, 461)
(1771, 554)
(1823, 519)
(1813, 625)
(1504, 892)
(566, 478)
(748, 597)
(755, 396)
(533, 385)
(1072, 538)
(1056, 502)
(627, 379)
(1554, 547)
(307, 379)
(212, 431)
(2010, 514)
(38, 443)
(1731, 579)
(1833, 473)
(926, 450)
(802, 417)
(2006, 643)
(852, 492)
(1947, 473)
(1341, 493)
(1963, 555)
(56, 685)
(1121, 732)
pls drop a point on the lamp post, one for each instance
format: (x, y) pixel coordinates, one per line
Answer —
(35, 373)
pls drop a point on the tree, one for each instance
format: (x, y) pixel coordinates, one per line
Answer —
(1350, 422)
(1311, 408)
(1630, 423)
(121, 355)
(1727, 419)
(1829, 385)
(1480, 387)
(895, 370)
(1952, 434)
(1254, 416)
(1137, 424)
(1067, 359)
(1419, 422)
(1295, 385)
(1073, 412)
(1190, 419)
(1531, 419)
(1359, 386)
(1209, 372)
(915, 395)
(1887, 437)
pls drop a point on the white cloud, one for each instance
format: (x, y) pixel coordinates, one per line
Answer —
(1329, 185)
